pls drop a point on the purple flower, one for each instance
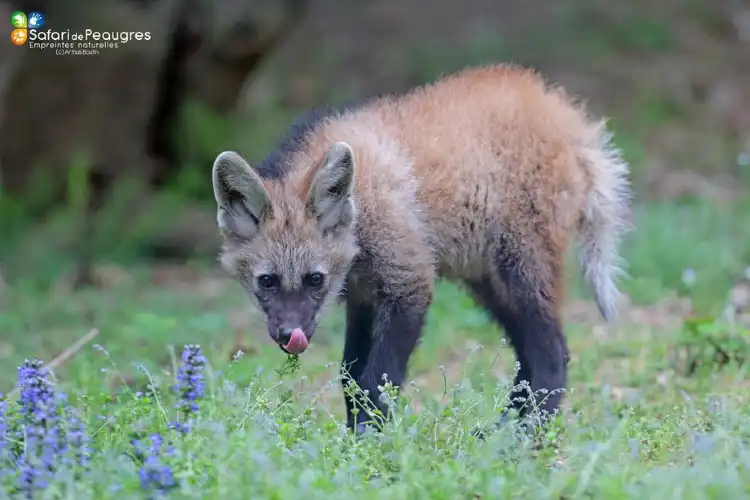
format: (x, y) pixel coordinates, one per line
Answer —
(37, 399)
(46, 446)
(155, 474)
(77, 440)
(3, 437)
(181, 427)
(190, 384)
(43, 440)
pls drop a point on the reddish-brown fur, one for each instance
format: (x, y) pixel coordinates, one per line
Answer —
(485, 176)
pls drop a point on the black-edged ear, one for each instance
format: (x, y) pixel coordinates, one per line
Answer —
(329, 199)
(243, 202)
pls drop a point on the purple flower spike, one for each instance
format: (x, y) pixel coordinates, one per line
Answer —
(3, 437)
(190, 384)
(78, 441)
(50, 435)
(41, 432)
(155, 474)
(37, 399)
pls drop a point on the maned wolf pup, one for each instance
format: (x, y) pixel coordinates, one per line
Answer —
(483, 176)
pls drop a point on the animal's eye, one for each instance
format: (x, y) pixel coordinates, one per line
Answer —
(314, 280)
(267, 281)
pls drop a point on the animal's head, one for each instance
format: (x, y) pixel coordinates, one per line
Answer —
(291, 251)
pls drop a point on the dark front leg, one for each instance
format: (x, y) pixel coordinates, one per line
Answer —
(359, 324)
(396, 330)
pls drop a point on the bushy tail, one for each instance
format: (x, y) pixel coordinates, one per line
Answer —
(605, 220)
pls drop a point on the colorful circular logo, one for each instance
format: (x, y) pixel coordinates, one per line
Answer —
(35, 20)
(18, 36)
(18, 20)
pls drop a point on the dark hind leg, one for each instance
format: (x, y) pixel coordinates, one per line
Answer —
(487, 298)
(526, 308)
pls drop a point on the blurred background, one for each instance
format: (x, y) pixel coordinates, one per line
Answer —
(105, 160)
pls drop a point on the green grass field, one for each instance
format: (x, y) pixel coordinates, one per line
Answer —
(635, 423)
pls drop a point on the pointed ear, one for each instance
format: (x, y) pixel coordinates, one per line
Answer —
(329, 199)
(243, 202)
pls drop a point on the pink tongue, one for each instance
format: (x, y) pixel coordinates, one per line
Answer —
(297, 343)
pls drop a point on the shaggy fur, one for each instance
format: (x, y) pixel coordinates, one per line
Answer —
(485, 177)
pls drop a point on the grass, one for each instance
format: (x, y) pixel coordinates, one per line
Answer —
(634, 425)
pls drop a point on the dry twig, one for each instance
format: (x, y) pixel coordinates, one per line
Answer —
(63, 356)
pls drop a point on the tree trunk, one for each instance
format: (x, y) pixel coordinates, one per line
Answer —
(118, 112)
(119, 109)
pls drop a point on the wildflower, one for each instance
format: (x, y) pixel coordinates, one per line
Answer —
(181, 427)
(3, 436)
(37, 398)
(688, 277)
(190, 384)
(42, 436)
(155, 474)
(77, 440)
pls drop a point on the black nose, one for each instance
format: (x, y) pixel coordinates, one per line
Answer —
(284, 335)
